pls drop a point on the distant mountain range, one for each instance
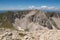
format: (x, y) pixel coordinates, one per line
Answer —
(42, 10)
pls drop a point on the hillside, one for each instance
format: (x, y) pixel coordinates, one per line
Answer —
(29, 20)
(29, 25)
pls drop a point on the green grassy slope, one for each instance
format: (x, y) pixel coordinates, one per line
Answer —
(5, 21)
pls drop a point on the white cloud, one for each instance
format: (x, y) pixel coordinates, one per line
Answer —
(43, 7)
(30, 7)
(49, 8)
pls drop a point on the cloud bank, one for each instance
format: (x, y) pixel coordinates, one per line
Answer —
(44, 8)
(31, 7)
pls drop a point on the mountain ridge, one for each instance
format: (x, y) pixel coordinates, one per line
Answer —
(30, 18)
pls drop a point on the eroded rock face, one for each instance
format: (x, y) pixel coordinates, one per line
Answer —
(34, 20)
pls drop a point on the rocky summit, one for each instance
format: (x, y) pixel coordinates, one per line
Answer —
(29, 25)
(36, 20)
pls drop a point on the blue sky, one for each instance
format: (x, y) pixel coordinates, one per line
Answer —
(26, 4)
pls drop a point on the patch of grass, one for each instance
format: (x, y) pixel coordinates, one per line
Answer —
(22, 35)
(5, 20)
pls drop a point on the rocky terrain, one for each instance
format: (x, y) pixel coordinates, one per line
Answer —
(33, 35)
(37, 20)
(29, 25)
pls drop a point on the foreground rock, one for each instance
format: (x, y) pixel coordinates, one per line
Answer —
(33, 35)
